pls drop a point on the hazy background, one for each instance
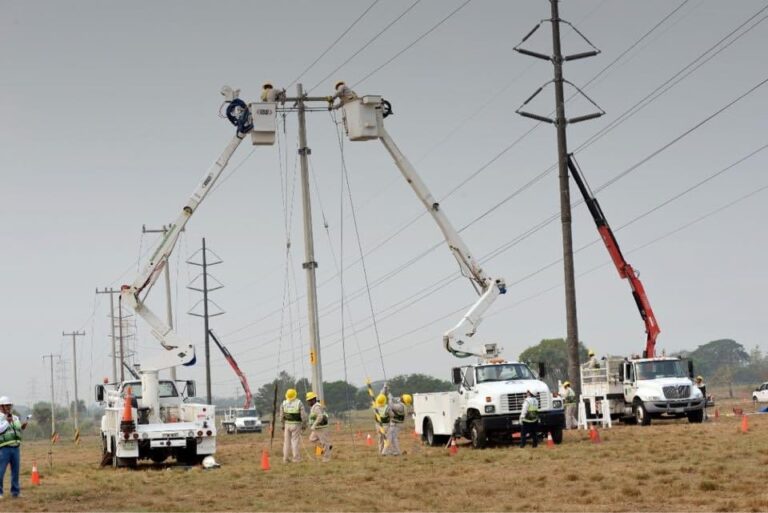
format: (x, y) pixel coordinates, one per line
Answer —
(109, 118)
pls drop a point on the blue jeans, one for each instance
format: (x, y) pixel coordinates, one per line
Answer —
(12, 456)
(528, 428)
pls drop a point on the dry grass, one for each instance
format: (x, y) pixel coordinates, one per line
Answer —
(634, 469)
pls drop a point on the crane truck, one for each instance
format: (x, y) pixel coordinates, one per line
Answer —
(149, 418)
(487, 402)
(636, 389)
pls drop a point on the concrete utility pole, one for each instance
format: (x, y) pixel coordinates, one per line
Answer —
(111, 293)
(74, 335)
(560, 122)
(120, 335)
(309, 252)
(167, 272)
(53, 397)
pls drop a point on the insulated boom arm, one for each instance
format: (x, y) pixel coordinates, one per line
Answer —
(625, 270)
(488, 288)
(232, 363)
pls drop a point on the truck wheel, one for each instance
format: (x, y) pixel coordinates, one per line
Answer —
(696, 416)
(478, 435)
(158, 456)
(429, 433)
(114, 453)
(641, 415)
(106, 456)
(557, 435)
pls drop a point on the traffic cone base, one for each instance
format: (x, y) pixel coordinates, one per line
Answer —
(550, 441)
(596, 438)
(368, 440)
(744, 424)
(265, 460)
(453, 449)
(35, 474)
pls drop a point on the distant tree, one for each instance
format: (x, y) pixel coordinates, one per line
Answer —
(553, 352)
(339, 396)
(417, 383)
(720, 360)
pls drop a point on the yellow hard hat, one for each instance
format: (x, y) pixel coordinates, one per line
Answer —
(567, 384)
(338, 83)
(290, 394)
(381, 400)
(591, 352)
(267, 85)
(407, 399)
(699, 378)
(311, 395)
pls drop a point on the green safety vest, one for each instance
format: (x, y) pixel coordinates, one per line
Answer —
(292, 412)
(398, 417)
(383, 412)
(570, 397)
(532, 414)
(12, 436)
(323, 420)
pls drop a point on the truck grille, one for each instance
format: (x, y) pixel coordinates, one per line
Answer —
(250, 422)
(514, 402)
(677, 391)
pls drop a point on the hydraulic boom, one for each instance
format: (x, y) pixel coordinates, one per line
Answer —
(232, 363)
(626, 271)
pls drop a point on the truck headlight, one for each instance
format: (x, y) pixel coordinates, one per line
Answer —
(489, 408)
(653, 398)
(557, 403)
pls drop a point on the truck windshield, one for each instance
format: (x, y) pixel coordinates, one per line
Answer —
(246, 413)
(166, 389)
(503, 372)
(661, 369)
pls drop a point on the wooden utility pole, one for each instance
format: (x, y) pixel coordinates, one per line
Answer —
(53, 396)
(560, 122)
(76, 414)
(111, 293)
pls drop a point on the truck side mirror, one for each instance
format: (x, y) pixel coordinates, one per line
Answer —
(99, 393)
(191, 392)
(690, 369)
(456, 374)
(621, 373)
(542, 370)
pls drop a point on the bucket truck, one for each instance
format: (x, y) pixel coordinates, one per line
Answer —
(486, 405)
(635, 389)
(159, 423)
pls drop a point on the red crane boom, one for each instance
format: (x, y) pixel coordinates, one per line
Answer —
(232, 363)
(626, 271)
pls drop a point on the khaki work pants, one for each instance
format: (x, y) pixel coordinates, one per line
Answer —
(291, 443)
(323, 439)
(570, 416)
(393, 441)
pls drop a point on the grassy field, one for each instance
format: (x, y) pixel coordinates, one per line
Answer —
(669, 466)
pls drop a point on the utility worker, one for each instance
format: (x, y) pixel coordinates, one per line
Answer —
(318, 425)
(293, 418)
(399, 410)
(569, 399)
(703, 388)
(343, 93)
(529, 419)
(10, 445)
(592, 363)
(383, 414)
(270, 94)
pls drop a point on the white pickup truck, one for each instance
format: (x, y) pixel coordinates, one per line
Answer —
(162, 426)
(640, 389)
(486, 407)
(241, 420)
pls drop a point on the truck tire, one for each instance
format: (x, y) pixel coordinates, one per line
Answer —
(641, 414)
(477, 434)
(430, 437)
(106, 456)
(557, 435)
(114, 453)
(696, 416)
(158, 456)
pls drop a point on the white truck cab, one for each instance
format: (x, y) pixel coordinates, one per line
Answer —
(760, 394)
(640, 389)
(241, 420)
(184, 431)
(486, 406)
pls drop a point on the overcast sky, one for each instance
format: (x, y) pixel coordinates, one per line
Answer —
(108, 119)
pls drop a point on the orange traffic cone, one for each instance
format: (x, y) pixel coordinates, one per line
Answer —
(717, 413)
(126, 423)
(744, 424)
(265, 460)
(592, 433)
(596, 436)
(550, 442)
(35, 474)
(368, 440)
(453, 449)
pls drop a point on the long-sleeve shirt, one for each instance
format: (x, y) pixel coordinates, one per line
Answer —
(527, 405)
(4, 424)
(317, 417)
(293, 412)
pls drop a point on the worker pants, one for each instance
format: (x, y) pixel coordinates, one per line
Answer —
(323, 439)
(393, 443)
(10, 456)
(291, 443)
(526, 429)
(571, 421)
(382, 438)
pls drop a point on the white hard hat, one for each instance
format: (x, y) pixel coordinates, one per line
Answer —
(209, 462)
(5, 400)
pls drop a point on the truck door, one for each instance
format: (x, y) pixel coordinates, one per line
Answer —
(629, 381)
(467, 387)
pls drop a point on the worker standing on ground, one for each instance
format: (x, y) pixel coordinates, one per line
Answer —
(383, 414)
(293, 418)
(399, 410)
(10, 445)
(270, 94)
(318, 425)
(529, 419)
(703, 389)
(569, 399)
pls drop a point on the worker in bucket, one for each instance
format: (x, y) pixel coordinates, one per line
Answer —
(383, 416)
(270, 94)
(293, 418)
(569, 400)
(318, 425)
(529, 419)
(11, 429)
(343, 93)
(399, 410)
(592, 363)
